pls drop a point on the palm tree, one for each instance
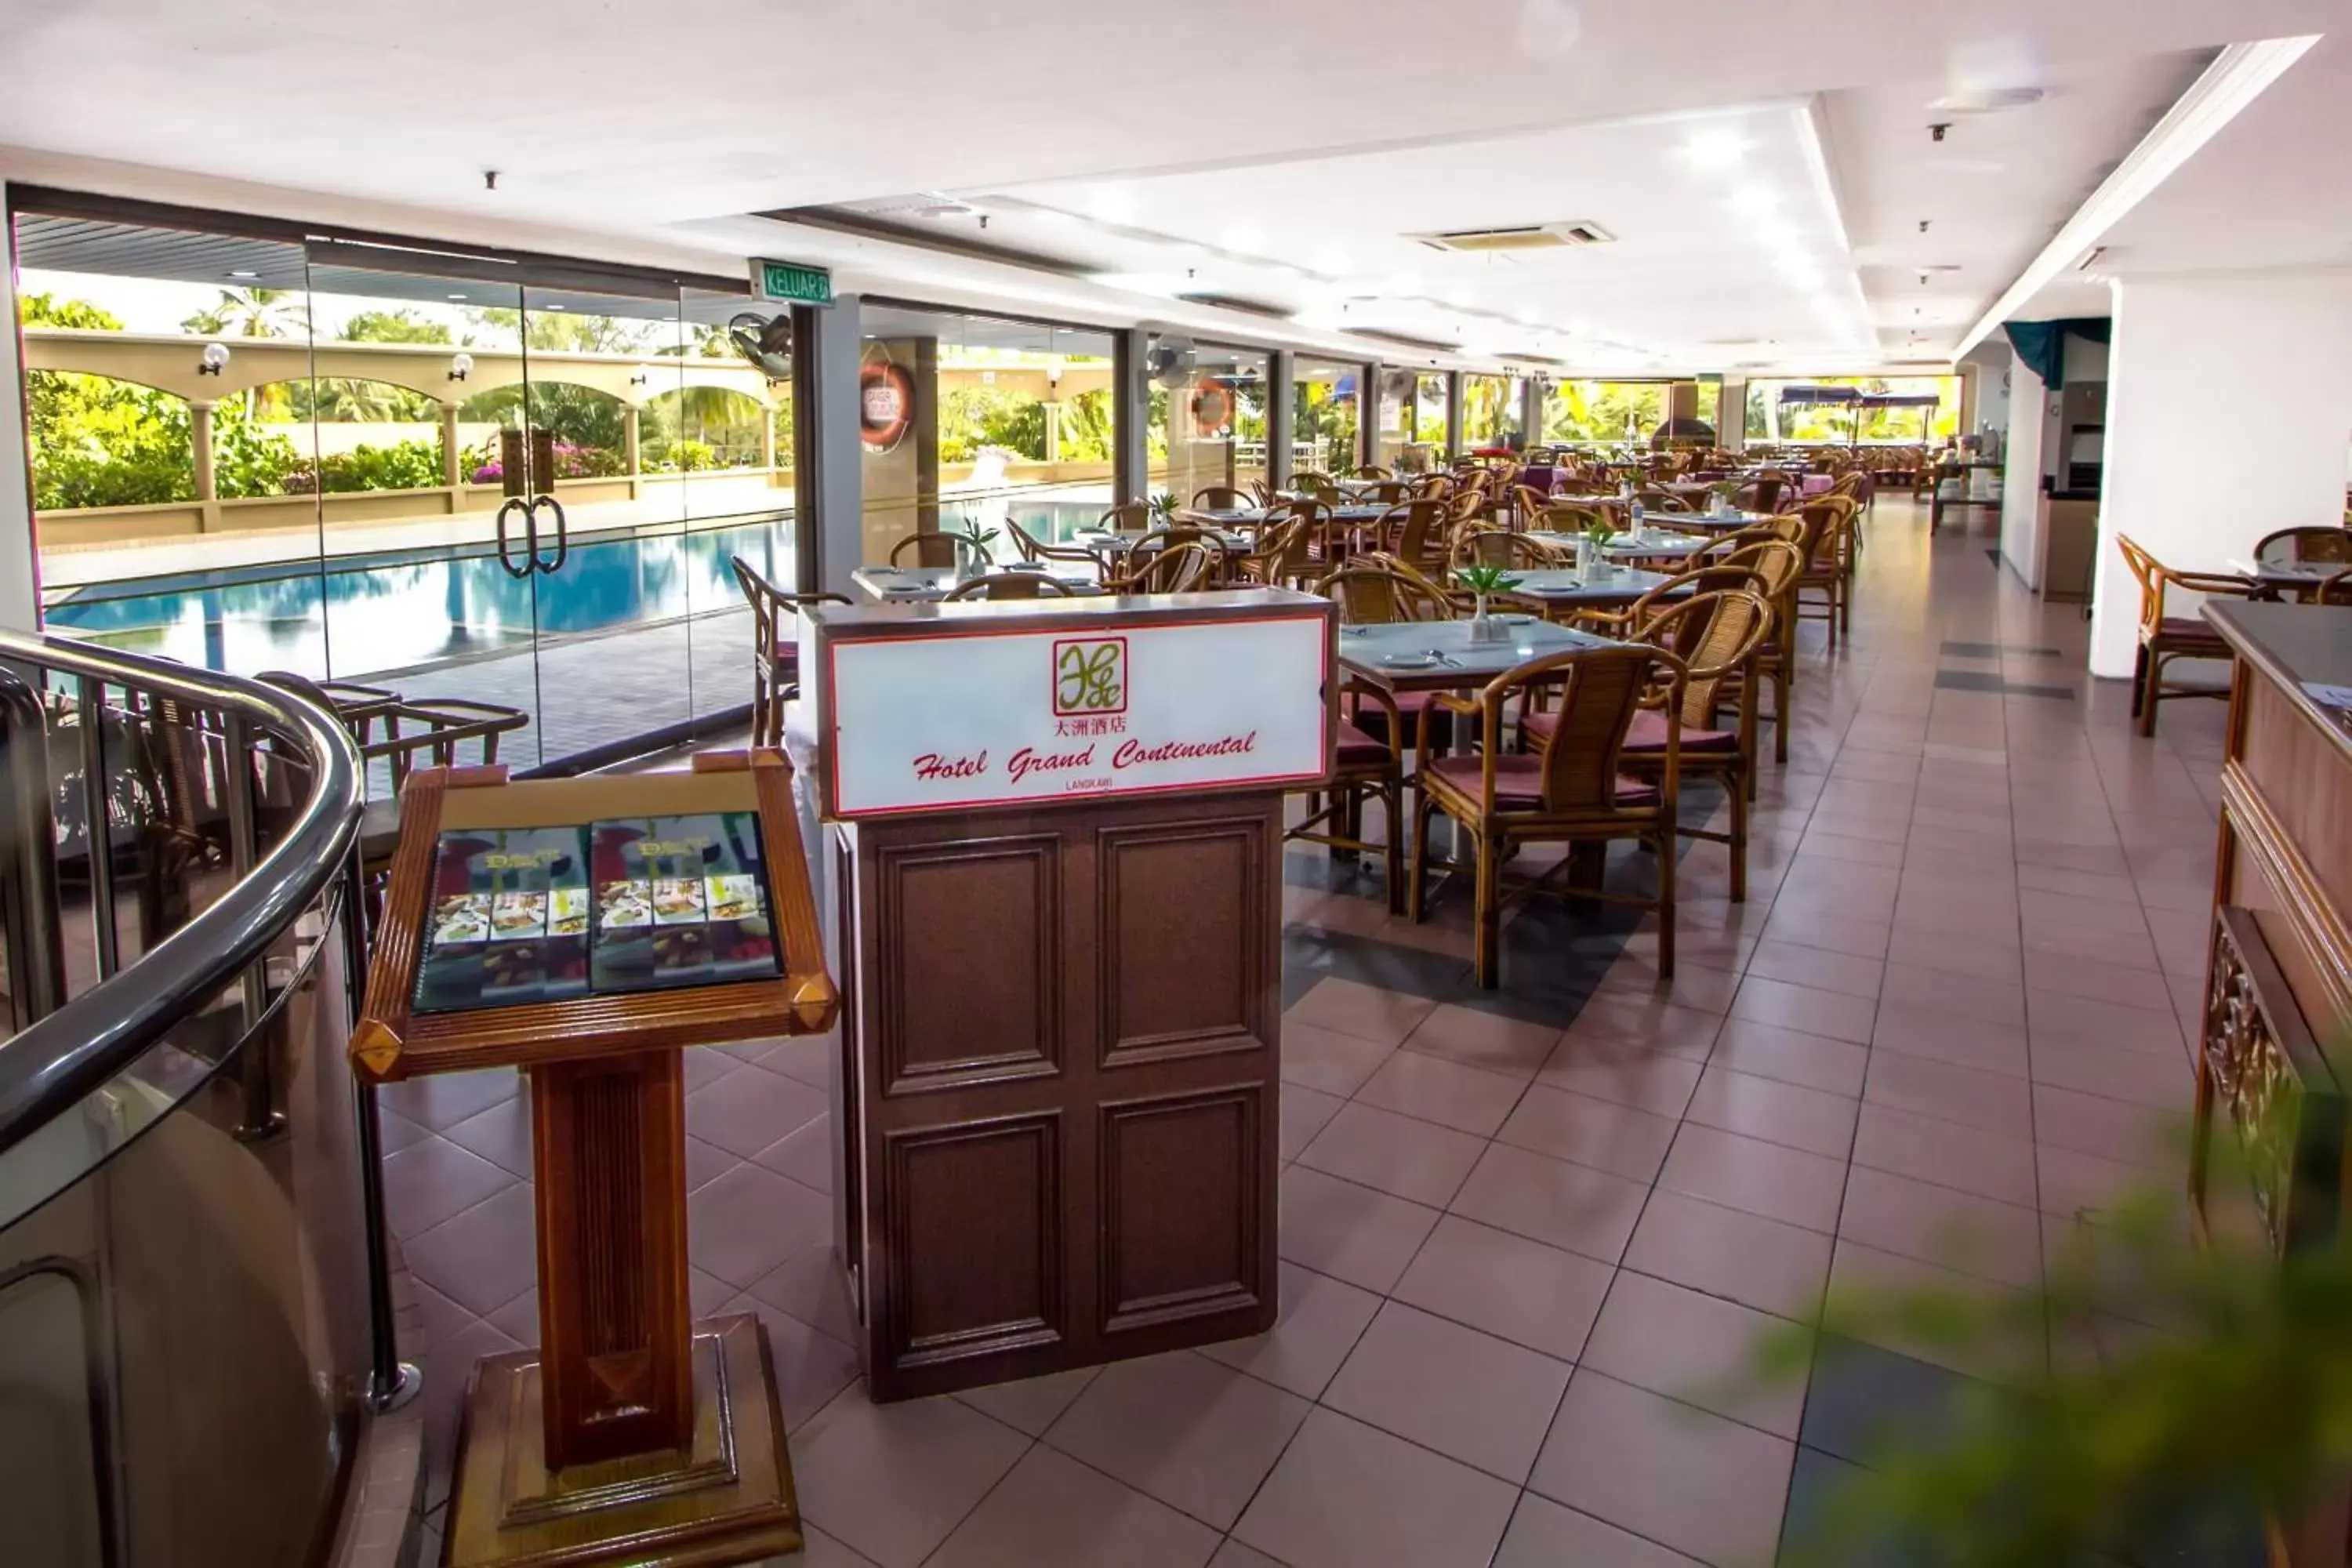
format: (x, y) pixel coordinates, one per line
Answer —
(253, 313)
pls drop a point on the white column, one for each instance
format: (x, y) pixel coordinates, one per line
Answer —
(2021, 477)
(19, 609)
(2228, 410)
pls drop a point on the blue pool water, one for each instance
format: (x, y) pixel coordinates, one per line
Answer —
(354, 616)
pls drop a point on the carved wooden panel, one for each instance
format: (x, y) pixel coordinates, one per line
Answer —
(972, 1239)
(1181, 958)
(2299, 773)
(613, 1308)
(1183, 1232)
(2262, 1080)
(970, 950)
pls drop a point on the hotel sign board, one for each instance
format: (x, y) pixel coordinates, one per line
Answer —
(963, 715)
(791, 282)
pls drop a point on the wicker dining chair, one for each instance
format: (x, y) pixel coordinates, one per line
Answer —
(1567, 516)
(1033, 548)
(1280, 556)
(929, 550)
(2327, 542)
(2164, 637)
(1717, 636)
(1575, 792)
(1182, 567)
(1366, 768)
(1011, 586)
(1376, 590)
(2336, 590)
(1828, 546)
(1219, 498)
(1127, 517)
(775, 649)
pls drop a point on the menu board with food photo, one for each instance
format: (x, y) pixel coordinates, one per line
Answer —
(681, 900)
(509, 919)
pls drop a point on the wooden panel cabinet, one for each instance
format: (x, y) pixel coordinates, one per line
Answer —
(1059, 1084)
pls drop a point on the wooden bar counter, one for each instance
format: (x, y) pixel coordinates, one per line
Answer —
(2274, 1050)
(1055, 857)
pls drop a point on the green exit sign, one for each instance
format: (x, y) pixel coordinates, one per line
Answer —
(789, 280)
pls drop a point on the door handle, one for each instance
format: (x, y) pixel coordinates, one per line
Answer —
(562, 536)
(530, 534)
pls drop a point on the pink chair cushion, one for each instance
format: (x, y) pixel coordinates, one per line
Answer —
(1356, 748)
(1519, 780)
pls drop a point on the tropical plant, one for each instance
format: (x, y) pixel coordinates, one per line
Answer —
(253, 313)
(250, 461)
(1487, 580)
(2147, 1445)
(48, 310)
(1164, 505)
(976, 542)
(400, 466)
(401, 326)
(96, 441)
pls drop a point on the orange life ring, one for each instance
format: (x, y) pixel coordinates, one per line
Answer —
(885, 404)
(1212, 408)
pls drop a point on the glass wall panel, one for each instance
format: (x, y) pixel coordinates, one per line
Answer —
(1491, 408)
(1392, 435)
(1603, 413)
(1207, 418)
(1806, 422)
(977, 422)
(171, 440)
(1429, 405)
(259, 455)
(1327, 415)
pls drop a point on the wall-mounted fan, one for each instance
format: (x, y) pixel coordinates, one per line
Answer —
(1173, 359)
(766, 342)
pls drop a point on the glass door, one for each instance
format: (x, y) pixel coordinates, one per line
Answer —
(496, 524)
(617, 438)
(420, 406)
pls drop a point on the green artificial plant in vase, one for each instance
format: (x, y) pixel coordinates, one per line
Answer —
(1484, 581)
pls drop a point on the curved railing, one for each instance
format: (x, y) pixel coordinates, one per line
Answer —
(193, 1327)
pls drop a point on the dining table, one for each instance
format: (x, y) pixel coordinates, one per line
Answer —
(1254, 516)
(1655, 546)
(2298, 579)
(927, 585)
(1404, 656)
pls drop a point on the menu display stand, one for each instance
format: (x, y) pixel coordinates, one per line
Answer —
(1057, 856)
(632, 1434)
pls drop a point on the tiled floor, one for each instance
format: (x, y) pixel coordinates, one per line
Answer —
(1531, 1238)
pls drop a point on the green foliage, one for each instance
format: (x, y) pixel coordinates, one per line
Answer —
(567, 332)
(402, 326)
(1598, 410)
(1486, 580)
(48, 310)
(101, 442)
(248, 461)
(401, 465)
(2136, 1444)
(696, 427)
(1087, 427)
(339, 400)
(1318, 416)
(578, 414)
(253, 313)
(971, 417)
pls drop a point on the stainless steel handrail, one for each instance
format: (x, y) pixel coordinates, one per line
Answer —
(50, 1066)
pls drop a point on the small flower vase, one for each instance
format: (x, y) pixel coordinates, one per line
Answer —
(970, 562)
(1485, 627)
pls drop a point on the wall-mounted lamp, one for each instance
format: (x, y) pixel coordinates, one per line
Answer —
(210, 361)
(460, 366)
(638, 378)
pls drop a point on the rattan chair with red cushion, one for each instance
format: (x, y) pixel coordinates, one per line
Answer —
(1365, 767)
(775, 649)
(1011, 586)
(1716, 636)
(1575, 792)
(2165, 636)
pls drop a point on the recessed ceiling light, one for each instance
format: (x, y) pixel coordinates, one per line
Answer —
(1718, 148)
(1986, 99)
(555, 307)
(240, 272)
(456, 296)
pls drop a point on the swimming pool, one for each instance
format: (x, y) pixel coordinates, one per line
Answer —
(355, 617)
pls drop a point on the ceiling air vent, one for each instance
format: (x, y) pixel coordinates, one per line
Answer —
(1526, 237)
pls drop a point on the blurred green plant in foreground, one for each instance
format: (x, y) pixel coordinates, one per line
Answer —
(2154, 1401)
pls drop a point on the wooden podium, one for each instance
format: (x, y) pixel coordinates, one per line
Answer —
(632, 1434)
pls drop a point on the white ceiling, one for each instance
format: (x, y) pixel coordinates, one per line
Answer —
(1320, 123)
